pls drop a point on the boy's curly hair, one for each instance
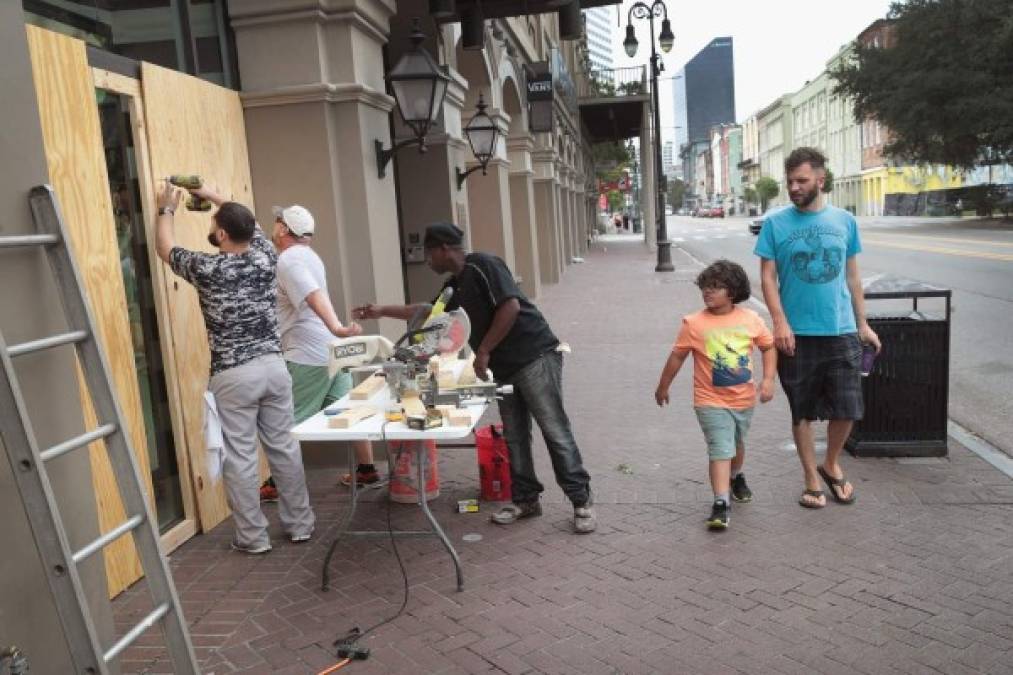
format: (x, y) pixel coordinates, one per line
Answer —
(728, 275)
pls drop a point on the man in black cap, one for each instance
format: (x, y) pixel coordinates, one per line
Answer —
(510, 336)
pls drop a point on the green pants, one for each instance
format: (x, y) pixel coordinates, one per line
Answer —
(313, 390)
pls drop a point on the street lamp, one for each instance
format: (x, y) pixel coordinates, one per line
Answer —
(482, 133)
(666, 39)
(420, 85)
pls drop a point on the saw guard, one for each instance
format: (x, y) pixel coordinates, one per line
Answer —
(453, 334)
(357, 351)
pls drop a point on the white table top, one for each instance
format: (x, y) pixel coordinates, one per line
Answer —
(371, 428)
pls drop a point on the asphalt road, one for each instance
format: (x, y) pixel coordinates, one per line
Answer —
(973, 258)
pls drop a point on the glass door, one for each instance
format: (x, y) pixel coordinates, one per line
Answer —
(124, 186)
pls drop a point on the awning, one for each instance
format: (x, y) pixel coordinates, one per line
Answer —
(613, 118)
(499, 9)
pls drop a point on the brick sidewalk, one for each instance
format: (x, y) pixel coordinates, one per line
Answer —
(916, 577)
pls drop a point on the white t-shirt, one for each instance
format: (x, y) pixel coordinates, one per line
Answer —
(304, 337)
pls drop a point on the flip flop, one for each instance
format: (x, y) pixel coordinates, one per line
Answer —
(833, 483)
(812, 493)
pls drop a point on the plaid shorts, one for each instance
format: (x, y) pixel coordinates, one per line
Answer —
(823, 380)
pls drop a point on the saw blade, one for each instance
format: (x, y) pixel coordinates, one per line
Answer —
(454, 329)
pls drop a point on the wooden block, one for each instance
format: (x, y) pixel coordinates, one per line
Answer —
(447, 379)
(351, 417)
(454, 416)
(458, 418)
(467, 373)
(413, 406)
(367, 388)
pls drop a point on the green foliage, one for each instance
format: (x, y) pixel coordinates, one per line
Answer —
(676, 192)
(828, 183)
(631, 88)
(749, 194)
(611, 153)
(945, 89)
(615, 200)
(766, 189)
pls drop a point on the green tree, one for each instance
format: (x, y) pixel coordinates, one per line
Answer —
(749, 194)
(612, 154)
(944, 87)
(766, 189)
(676, 192)
(615, 200)
(828, 183)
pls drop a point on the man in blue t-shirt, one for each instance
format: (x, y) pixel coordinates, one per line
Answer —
(814, 293)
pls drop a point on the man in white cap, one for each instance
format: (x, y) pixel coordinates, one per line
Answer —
(308, 323)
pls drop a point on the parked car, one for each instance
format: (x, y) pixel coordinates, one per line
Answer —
(756, 224)
(717, 212)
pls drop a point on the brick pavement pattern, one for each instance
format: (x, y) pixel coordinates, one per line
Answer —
(916, 577)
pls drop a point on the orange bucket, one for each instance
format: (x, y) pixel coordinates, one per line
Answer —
(404, 457)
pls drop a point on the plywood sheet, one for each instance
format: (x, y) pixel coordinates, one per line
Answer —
(195, 127)
(74, 153)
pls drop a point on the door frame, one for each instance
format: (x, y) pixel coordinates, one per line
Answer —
(130, 87)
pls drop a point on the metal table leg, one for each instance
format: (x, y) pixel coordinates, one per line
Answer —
(419, 448)
(421, 455)
(325, 577)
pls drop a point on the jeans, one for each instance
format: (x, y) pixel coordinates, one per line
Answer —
(538, 393)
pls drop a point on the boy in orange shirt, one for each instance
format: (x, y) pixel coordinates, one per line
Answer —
(721, 338)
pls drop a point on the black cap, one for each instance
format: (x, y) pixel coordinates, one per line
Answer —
(443, 233)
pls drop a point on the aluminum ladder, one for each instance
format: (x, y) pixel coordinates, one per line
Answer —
(28, 466)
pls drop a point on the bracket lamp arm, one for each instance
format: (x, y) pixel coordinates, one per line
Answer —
(463, 175)
(383, 156)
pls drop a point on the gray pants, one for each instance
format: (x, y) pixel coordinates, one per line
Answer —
(257, 396)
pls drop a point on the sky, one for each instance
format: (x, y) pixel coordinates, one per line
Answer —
(779, 44)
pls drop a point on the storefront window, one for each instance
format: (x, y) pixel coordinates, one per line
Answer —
(140, 299)
(190, 36)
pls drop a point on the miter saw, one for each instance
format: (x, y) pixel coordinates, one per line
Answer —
(406, 363)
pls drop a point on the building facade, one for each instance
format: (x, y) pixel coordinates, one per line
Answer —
(774, 130)
(710, 89)
(117, 96)
(600, 29)
(749, 165)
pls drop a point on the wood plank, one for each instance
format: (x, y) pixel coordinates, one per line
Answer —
(178, 535)
(413, 406)
(367, 388)
(76, 161)
(195, 127)
(160, 289)
(120, 84)
(351, 417)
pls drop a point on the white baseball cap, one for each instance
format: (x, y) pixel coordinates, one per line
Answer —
(296, 218)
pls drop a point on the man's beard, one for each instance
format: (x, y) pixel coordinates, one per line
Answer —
(805, 199)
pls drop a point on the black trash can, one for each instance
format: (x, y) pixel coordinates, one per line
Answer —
(906, 393)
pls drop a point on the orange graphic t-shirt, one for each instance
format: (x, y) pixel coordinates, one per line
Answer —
(722, 347)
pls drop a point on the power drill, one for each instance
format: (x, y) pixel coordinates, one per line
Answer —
(191, 182)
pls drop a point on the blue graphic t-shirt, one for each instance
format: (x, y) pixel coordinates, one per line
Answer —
(811, 251)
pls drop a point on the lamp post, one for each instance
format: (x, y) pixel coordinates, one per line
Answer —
(641, 10)
(482, 133)
(420, 85)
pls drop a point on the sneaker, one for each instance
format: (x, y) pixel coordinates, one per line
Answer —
(300, 538)
(740, 491)
(268, 492)
(511, 513)
(252, 549)
(719, 516)
(584, 519)
(364, 479)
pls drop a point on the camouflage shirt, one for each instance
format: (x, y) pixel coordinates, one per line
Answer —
(237, 294)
